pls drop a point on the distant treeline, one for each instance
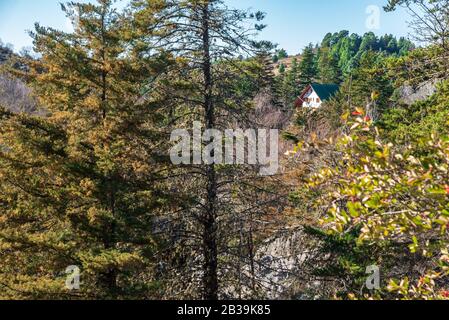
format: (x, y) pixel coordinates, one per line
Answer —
(338, 55)
(349, 48)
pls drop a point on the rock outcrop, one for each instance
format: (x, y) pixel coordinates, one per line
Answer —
(409, 95)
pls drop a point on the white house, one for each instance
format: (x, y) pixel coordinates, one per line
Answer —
(315, 94)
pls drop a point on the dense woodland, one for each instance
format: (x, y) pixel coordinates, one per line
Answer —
(335, 59)
(87, 181)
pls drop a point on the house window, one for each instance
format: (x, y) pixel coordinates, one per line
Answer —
(318, 100)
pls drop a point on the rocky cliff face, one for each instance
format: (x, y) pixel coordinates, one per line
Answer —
(280, 262)
(409, 95)
(281, 269)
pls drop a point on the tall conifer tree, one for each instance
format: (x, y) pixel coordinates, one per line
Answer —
(307, 67)
(215, 50)
(80, 185)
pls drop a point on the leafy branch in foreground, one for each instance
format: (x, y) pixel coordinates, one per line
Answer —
(397, 196)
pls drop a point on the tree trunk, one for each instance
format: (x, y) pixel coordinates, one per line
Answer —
(210, 277)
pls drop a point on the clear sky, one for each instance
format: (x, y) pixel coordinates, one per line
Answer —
(291, 23)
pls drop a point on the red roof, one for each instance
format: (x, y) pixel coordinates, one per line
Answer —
(299, 102)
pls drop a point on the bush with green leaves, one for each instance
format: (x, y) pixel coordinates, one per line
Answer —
(394, 196)
(404, 124)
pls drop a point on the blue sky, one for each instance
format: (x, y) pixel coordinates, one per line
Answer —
(291, 23)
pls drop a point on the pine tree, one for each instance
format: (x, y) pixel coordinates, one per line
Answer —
(282, 68)
(80, 186)
(341, 260)
(307, 67)
(282, 54)
(215, 222)
(290, 84)
(369, 84)
(328, 69)
(265, 78)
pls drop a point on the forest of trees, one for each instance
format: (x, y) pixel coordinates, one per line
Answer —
(88, 187)
(337, 57)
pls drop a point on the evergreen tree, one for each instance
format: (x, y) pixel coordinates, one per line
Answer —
(328, 69)
(206, 86)
(79, 186)
(369, 85)
(307, 68)
(282, 54)
(290, 85)
(265, 79)
(370, 42)
(282, 68)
